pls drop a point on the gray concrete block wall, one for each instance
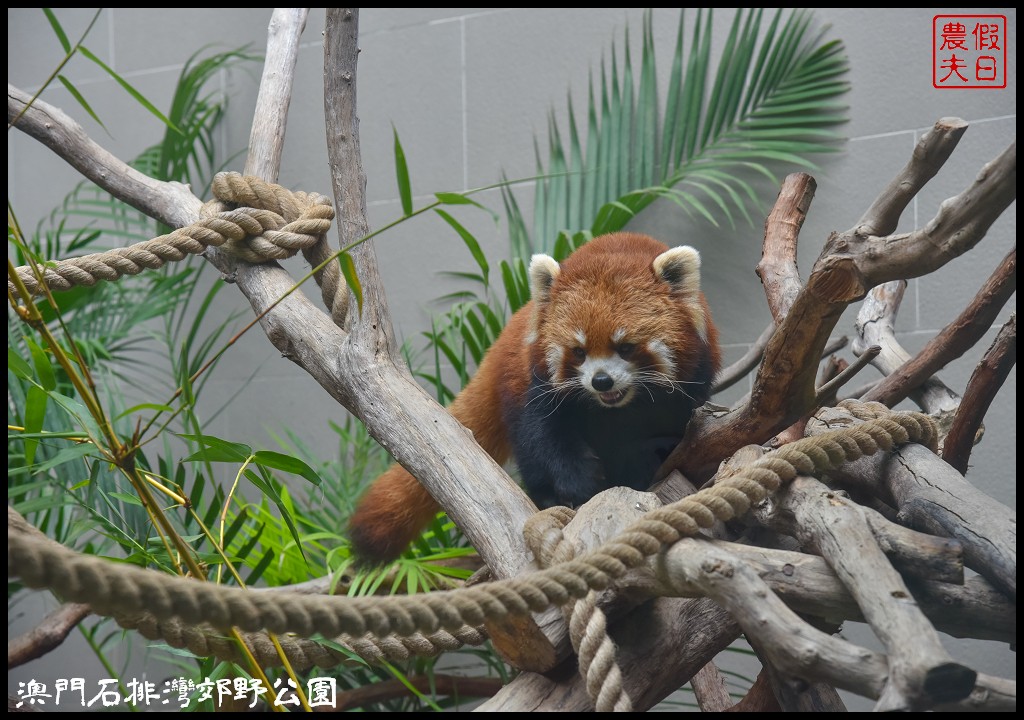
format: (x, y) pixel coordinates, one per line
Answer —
(467, 90)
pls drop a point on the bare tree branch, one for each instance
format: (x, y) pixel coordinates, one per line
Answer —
(876, 325)
(961, 222)
(917, 660)
(169, 202)
(49, 634)
(929, 156)
(760, 697)
(826, 394)
(931, 496)
(739, 369)
(955, 339)
(985, 382)
(778, 270)
(709, 689)
(849, 265)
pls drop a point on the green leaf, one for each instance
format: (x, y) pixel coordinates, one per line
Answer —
(35, 413)
(402, 174)
(217, 450)
(75, 452)
(126, 498)
(158, 407)
(44, 370)
(139, 98)
(257, 572)
(58, 30)
(348, 270)
(79, 413)
(453, 198)
(515, 299)
(81, 100)
(280, 461)
(469, 240)
(18, 366)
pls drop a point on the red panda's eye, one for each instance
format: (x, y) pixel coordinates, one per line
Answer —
(579, 353)
(626, 349)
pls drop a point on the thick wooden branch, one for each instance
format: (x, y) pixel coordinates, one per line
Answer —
(808, 585)
(709, 689)
(399, 414)
(49, 634)
(659, 649)
(778, 270)
(169, 202)
(929, 156)
(377, 387)
(760, 697)
(985, 382)
(794, 694)
(266, 137)
(921, 671)
(953, 340)
(931, 496)
(793, 646)
(849, 266)
(876, 326)
(959, 225)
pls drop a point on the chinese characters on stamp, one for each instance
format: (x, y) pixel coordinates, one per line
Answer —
(969, 51)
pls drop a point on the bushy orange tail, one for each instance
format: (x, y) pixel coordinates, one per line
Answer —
(397, 508)
(390, 516)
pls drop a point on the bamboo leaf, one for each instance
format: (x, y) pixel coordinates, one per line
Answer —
(469, 240)
(280, 461)
(217, 450)
(139, 97)
(402, 174)
(348, 270)
(81, 100)
(41, 361)
(58, 30)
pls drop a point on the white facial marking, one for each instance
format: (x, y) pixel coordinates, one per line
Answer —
(554, 356)
(666, 359)
(618, 335)
(581, 338)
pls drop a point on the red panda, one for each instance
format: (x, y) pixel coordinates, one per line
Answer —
(589, 386)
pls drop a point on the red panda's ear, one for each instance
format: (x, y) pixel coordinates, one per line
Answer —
(680, 268)
(544, 271)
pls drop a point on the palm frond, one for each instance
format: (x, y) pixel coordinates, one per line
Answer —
(772, 103)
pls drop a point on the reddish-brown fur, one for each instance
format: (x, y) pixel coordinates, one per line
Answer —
(609, 272)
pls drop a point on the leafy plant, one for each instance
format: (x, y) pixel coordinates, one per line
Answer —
(71, 356)
(773, 102)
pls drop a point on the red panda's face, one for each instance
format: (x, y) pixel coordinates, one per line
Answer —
(608, 367)
(618, 323)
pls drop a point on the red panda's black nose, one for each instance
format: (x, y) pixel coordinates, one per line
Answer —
(602, 382)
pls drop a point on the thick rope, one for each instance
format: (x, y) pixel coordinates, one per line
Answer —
(115, 588)
(249, 218)
(302, 654)
(588, 626)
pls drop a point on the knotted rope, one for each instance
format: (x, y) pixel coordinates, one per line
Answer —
(248, 218)
(113, 588)
(588, 626)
